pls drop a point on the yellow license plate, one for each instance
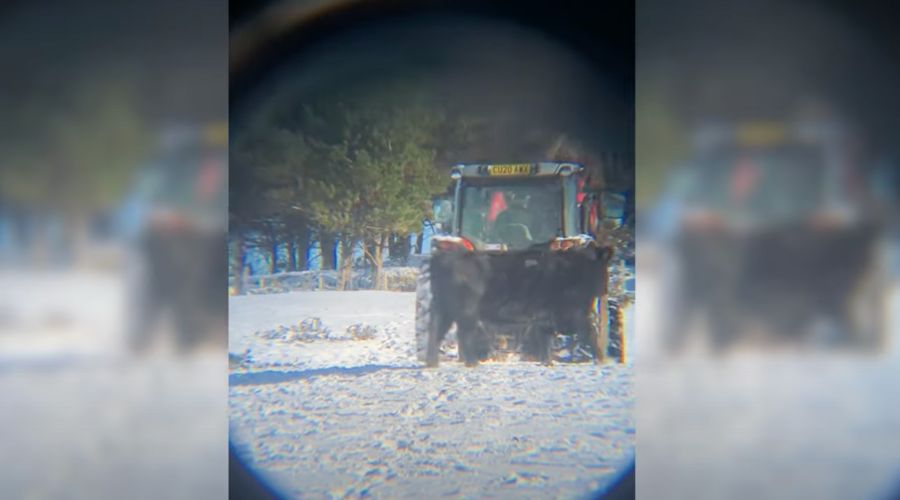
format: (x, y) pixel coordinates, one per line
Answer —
(517, 169)
(761, 134)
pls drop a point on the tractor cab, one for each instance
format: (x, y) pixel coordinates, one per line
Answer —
(522, 206)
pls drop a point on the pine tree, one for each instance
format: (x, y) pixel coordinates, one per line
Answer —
(380, 178)
(357, 168)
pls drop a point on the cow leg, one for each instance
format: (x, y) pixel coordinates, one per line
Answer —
(486, 341)
(467, 332)
(438, 326)
(543, 340)
(528, 343)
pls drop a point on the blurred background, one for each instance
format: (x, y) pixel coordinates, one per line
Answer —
(113, 177)
(767, 173)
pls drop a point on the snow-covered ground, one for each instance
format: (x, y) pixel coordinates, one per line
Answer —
(81, 418)
(764, 425)
(338, 417)
(396, 278)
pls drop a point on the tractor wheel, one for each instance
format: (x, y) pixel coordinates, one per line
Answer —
(868, 304)
(423, 310)
(596, 344)
(616, 349)
(610, 346)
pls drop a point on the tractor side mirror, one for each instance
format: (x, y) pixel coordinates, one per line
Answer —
(613, 205)
(443, 215)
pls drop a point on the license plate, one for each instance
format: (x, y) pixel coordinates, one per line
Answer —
(515, 169)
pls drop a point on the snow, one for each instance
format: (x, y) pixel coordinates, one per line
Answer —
(759, 424)
(341, 417)
(83, 419)
(397, 278)
(52, 314)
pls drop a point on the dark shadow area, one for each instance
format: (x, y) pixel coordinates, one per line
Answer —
(278, 376)
(623, 488)
(242, 483)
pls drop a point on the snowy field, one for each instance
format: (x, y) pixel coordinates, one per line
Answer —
(755, 425)
(339, 417)
(83, 420)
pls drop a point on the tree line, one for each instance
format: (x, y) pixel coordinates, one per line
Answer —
(345, 173)
(359, 170)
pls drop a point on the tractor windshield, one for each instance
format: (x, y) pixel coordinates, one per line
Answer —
(771, 184)
(518, 214)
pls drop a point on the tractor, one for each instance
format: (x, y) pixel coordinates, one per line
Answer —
(778, 238)
(520, 265)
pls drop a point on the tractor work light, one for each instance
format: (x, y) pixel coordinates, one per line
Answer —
(563, 244)
(567, 169)
(450, 243)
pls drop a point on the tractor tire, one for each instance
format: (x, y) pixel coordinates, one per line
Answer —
(602, 343)
(868, 304)
(144, 302)
(616, 347)
(423, 310)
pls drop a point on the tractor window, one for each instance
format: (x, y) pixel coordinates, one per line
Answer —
(517, 214)
(772, 184)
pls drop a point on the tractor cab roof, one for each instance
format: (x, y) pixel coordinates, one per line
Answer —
(489, 170)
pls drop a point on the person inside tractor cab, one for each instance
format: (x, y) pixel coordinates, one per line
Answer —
(545, 214)
(524, 216)
(518, 215)
(511, 224)
(759, 186)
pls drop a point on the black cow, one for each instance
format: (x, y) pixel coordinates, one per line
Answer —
(781, 278)
(538, 292)
(184, 273)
